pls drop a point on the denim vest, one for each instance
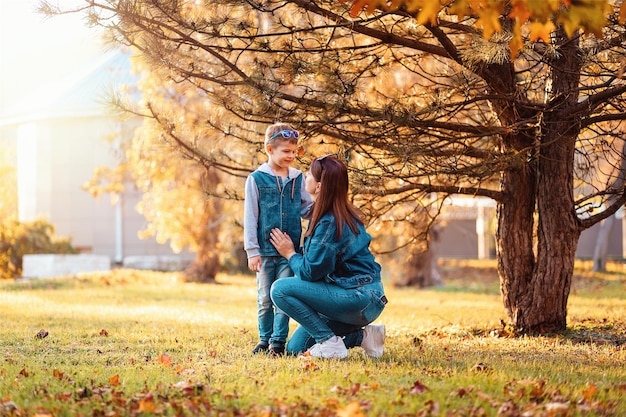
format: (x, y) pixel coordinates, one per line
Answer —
(278, 209)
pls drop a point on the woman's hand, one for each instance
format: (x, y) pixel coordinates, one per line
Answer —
(282, 242)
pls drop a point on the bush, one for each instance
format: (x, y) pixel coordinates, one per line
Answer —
(19, 239)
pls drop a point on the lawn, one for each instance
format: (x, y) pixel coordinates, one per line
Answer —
(135, 343)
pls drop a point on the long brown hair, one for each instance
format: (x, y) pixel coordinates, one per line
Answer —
(333, 196)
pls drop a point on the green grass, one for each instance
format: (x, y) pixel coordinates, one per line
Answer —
(142, 343)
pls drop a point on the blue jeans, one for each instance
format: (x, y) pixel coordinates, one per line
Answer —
(273, 323)
(324, 310)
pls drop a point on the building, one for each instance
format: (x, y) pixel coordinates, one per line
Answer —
(62, 133)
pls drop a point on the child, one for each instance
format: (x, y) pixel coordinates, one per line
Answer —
(275, 197)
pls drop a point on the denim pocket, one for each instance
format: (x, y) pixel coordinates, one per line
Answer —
(374, 308)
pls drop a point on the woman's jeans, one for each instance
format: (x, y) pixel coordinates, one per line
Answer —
(324, 310)
(273, 323)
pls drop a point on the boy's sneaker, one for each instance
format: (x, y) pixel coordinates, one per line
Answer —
(262, 346)
(276, 349)
(373, 340)
(333, 348)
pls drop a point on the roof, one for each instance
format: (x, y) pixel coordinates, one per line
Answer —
(81, 94)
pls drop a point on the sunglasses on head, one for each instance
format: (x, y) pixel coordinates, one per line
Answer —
(321, 158)
(286, 134)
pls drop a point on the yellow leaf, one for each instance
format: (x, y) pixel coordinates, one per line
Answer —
(429, 12)
(516, 43)
(459, 8)
(539, 30)
(489, 20)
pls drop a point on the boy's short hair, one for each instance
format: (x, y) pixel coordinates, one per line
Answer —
(281, 132)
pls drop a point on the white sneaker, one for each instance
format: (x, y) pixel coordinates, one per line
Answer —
(331, 348)
(373, 340)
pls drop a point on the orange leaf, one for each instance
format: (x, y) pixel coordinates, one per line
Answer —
(309, 366)
(589, 392)
(114, 380)
(146, 405)
(351, 410)
(368, 5)
(165, 360)
(622, 13)
(520, 11)
(539, 30)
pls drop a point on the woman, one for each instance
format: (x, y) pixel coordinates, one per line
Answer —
(336, 291)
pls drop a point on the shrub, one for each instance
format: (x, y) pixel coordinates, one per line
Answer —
(18, 239)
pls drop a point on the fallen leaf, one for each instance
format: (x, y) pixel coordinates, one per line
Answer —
(418, 388)
(146, 405)
(481, 367)
(351, 410)
(41, 334)
(165, 360)
(114, 380)
(589, 392)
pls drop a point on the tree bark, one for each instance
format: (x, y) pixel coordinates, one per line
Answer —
(421, 269)
(206, 265)
(602, 242)
(536, 282)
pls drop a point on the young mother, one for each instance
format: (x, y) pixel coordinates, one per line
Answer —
(336, 291)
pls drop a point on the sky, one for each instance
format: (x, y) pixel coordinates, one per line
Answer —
(36, 50)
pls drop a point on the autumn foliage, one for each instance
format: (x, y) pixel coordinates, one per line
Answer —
(541, 16)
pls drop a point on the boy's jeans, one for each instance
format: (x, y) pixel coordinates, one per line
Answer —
(324, 310)
(273, 323)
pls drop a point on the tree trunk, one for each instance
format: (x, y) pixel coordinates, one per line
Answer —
(602, 242)
(421, 269)
(207, 263)
(536, 283)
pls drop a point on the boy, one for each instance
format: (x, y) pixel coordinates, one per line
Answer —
(275, 197)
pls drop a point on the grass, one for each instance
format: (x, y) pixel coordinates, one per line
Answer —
(135, 343)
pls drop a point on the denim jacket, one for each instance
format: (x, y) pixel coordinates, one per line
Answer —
(347, 262)
(268, 205)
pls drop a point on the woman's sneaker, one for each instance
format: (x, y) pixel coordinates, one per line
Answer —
(333, 348)
(373, 340)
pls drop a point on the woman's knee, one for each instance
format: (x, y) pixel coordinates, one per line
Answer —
(277, 290)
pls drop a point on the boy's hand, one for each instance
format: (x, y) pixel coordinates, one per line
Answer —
(254, 263)
(282, 242)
